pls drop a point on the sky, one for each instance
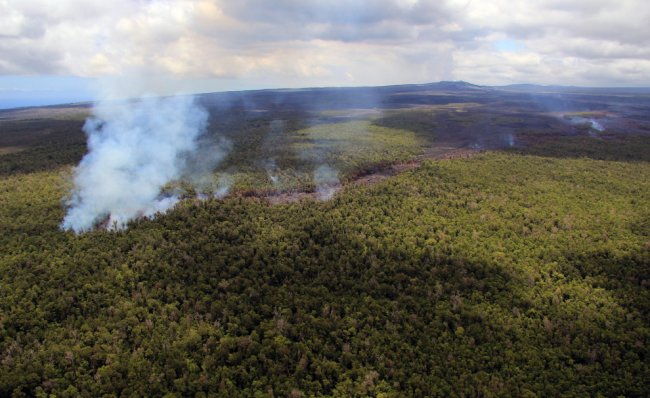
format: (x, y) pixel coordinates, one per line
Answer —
(54, 51)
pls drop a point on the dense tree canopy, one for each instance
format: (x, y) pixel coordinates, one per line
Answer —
(500, 275)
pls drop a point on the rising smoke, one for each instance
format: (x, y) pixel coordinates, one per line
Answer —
(135, 148)
(327, 182)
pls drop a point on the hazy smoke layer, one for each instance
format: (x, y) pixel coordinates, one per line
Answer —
(134, 149)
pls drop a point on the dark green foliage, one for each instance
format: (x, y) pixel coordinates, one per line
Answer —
(471, 125)
(41, 158)
(611, 147)
(502, 275)
(41, 144)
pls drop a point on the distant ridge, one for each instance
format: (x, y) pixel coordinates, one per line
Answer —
(459, 85)
(447, 87)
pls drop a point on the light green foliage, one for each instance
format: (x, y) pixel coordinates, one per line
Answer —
(31, 204)
(347, 147)
(353, 145)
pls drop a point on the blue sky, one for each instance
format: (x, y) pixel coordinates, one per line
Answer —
(19, 91)
(74, 50)
(508, 45)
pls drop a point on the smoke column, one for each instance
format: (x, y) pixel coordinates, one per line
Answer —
(134, 148)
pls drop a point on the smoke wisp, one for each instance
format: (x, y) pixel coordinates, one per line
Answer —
(272, 172)
(135, 148)
(592, 124)
(327, 182)
(223, 186)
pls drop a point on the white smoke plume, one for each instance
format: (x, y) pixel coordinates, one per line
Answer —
(135, 147)
(327, 182)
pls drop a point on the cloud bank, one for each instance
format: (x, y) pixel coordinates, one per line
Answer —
(211, 45)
